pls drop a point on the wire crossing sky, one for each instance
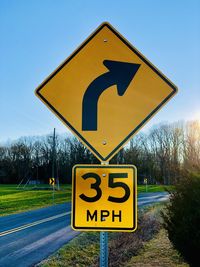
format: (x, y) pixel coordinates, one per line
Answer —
(37, 36)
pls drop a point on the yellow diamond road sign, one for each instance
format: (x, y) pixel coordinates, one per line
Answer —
(105, 91)
(104, 198)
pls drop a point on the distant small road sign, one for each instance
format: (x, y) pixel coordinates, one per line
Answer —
(52, 181)
(104, 198)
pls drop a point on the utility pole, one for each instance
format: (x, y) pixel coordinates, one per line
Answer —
(54, 158)
(53, 162)
(53, 154)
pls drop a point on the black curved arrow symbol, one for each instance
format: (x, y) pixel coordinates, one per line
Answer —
(121, 74)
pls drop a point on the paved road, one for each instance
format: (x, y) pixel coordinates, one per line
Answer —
(29, 237)
(150, 198)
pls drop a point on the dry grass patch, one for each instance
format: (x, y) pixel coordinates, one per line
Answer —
(157, 252)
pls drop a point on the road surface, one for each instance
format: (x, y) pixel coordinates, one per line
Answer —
(29, 237)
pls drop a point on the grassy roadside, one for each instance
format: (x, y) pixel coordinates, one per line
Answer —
(81, 251)
(157, 252)
(147, 247)
(123, 247)
(15, 200)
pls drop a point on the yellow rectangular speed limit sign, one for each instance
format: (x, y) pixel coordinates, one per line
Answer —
(104, 198)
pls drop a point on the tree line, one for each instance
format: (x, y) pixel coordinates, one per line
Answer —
(160, 155)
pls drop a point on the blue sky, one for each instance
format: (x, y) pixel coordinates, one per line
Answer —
(37, 35)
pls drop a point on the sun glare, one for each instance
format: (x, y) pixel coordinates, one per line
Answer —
(196, 116)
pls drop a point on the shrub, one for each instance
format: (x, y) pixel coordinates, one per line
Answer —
(126, 245)
(182, 219)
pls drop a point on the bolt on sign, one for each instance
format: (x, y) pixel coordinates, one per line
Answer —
(105, 91)
(104, 198)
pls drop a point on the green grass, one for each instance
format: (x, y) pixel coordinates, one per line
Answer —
(155, 188)
(14, 200)
(80, 252)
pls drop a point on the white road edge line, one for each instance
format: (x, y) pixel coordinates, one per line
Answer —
(17, 229)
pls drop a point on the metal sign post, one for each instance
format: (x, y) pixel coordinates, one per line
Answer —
(52, 182)
(103, 249)
(104, 241)
(53, 195)
(146, 182)
(107, 197)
